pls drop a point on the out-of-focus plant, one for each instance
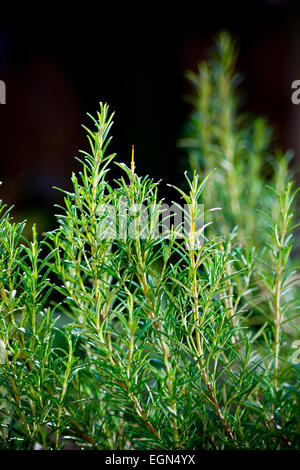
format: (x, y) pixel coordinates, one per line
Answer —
(219, 134)
(178, 334)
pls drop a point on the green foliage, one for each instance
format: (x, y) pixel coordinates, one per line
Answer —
(219, 135)
(171, 343)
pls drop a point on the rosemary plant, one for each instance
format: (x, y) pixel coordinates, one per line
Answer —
(179, 335)
(220, 135)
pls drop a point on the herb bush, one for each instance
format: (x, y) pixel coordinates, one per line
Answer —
(171, 343)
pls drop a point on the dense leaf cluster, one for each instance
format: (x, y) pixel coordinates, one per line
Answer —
(170, 344)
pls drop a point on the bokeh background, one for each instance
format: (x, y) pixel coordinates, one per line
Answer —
(60, 60)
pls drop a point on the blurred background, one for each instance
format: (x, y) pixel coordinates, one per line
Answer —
(58, 62)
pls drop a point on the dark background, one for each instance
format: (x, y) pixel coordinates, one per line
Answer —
(60, 60)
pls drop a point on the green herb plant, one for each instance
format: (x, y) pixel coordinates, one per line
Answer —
(178, 336)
